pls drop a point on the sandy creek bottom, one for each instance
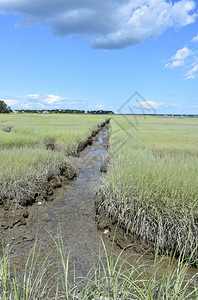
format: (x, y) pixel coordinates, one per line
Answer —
(72, 214)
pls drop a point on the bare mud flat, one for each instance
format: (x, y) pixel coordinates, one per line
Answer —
(70, 211)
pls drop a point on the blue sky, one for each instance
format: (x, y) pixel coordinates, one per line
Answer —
(91, 54)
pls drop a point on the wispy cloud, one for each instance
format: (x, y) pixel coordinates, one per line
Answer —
(100, 106)
(152, 104)
(110, 24)
(33, 96)
(192, 73)
(11, 102)
(195, 39)
(175, 104)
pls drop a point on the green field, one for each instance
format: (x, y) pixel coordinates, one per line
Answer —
(26, 159)
(151, 187)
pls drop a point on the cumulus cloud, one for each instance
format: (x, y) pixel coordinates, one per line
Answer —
(186, 58)
(37, 101)
(51, 99)
(110, 24)
(179, 59)
(182, 54)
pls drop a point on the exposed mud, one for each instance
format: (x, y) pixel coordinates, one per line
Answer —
(16, 212)
(137, 252)
(72, 214)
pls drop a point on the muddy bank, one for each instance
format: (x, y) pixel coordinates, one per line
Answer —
(72, 212)
(118, 234)
(82, 145)
(15, 213)
(118, 228)
(139, 253)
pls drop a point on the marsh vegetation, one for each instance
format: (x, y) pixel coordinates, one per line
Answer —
(149, 190)
(151, 187)
(36, 151)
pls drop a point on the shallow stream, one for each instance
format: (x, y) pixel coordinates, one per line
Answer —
(71, 213)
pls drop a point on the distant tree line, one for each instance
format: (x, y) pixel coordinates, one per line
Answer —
(4, 108)
(100, 112)
(64, 111)
(52, 111)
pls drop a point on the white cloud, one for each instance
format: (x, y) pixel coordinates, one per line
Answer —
(182, 54)
(150, 104)
(33, 96)
(26, 105)
(10, 102)
(195, 39)
(146, 19)
(51, 99)
(179, 59)
(32, 105)
(37, 101)
(186, 58)
(176, 104)
(109, 24)
(192, 73)
(99, 106)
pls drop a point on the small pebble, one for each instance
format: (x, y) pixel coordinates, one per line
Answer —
(106, 231)
(13, 238)
(39, 203)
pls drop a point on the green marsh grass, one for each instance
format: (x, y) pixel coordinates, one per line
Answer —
(34, 129)
(26, 158)
(151, 187)
(26, 170)
(111, 277)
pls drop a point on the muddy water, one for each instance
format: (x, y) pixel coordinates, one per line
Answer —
(72, 213)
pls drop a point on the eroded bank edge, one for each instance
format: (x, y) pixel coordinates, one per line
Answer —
(16, 213)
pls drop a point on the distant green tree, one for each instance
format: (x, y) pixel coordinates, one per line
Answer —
(4, 108)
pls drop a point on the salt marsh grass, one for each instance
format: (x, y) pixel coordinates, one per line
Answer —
(151, 187)
(35, 129)
(26, 170)
(111, 277)
(25, 157)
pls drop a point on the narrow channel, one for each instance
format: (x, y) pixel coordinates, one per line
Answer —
(71, 214)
